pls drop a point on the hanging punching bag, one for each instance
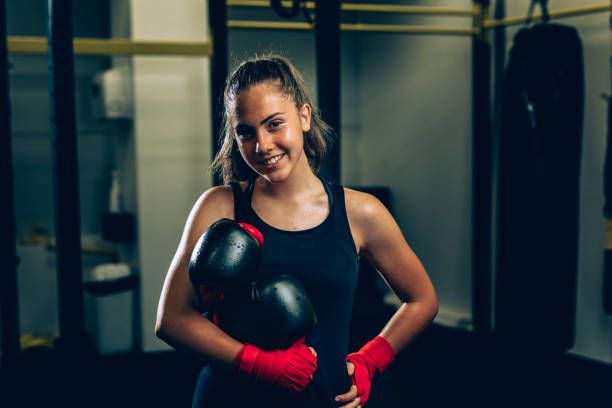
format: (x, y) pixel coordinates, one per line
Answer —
(538, 187)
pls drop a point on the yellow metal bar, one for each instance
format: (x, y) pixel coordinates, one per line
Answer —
(381, 28)
(95, 46)
(377, 8)
(408, 29)
(260, 3)
(560, 13)
(29, 340)
(275, 25)
(27, 45)
(388, 8)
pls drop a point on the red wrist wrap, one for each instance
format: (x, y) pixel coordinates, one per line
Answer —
(379, 355)
(291, 369)
(372, 359)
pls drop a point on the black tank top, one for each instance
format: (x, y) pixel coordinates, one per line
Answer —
(326, 262)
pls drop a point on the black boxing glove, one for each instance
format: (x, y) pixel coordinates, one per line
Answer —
(226, 256)
(282, 312)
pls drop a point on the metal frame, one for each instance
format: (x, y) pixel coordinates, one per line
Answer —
(65, 178)
(358, 27)
(376, 8)
(9, 306)
(98, 46)
(217, 17)
(560, 13)
(482, 181)
(328, 52)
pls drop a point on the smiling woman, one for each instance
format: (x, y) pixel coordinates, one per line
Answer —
(285, 103)
(315, 231)
(271, 146)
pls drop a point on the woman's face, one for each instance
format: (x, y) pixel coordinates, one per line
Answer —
(269, 131)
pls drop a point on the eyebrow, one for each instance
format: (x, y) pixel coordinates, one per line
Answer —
(267, 118)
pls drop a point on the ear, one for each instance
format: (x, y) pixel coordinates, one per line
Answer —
(305, 114)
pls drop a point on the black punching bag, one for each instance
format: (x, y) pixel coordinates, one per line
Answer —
(538, 187)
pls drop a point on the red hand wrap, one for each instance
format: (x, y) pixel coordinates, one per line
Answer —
(291, 369)
(372, 359)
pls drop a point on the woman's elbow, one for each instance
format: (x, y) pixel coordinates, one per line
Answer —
(432, 304)
(434, 307)
(160, 328)
(163, 324)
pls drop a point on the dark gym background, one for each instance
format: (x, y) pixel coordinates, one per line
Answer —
(418, 118)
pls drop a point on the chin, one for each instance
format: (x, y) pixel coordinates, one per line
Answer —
(277, 176)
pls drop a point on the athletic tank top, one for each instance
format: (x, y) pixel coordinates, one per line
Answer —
(324, 259)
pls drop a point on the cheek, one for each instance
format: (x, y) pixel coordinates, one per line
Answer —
(241, 148)
(295, 137)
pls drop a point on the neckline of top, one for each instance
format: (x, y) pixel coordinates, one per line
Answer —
(330, 201)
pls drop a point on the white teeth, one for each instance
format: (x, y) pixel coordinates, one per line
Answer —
(273, 159)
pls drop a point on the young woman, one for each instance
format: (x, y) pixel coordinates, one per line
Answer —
(274, 144)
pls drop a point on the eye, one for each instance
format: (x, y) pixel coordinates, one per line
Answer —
(244, 133)
(274, 124)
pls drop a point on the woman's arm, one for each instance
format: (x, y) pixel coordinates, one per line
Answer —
(380, 240)
(179, 323)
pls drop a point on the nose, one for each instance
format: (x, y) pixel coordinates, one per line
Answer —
(264, 142)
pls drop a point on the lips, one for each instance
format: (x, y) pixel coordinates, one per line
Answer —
(271, 160)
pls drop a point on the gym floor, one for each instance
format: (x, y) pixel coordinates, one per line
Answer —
(442, 368)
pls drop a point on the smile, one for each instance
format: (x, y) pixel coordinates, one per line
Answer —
(272, 160)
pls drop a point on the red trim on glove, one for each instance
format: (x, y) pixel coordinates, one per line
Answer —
(291, 369)
(210, 295)
(372, 359)
(254, 232)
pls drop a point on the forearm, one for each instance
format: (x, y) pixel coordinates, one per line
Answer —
(379, 353)
(193, 333)
(410, 319)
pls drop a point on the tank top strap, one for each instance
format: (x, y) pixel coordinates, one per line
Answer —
(329, 189)
(242, 199)
(337, 206)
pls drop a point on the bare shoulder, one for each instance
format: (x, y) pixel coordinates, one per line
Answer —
(216, 202)
(218, 196)
(361, 206)
(365, 214)
(213, 204)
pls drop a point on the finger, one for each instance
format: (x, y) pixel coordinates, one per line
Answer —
(353, 404)
(313, 351)
(350, 395)
(350, 367)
